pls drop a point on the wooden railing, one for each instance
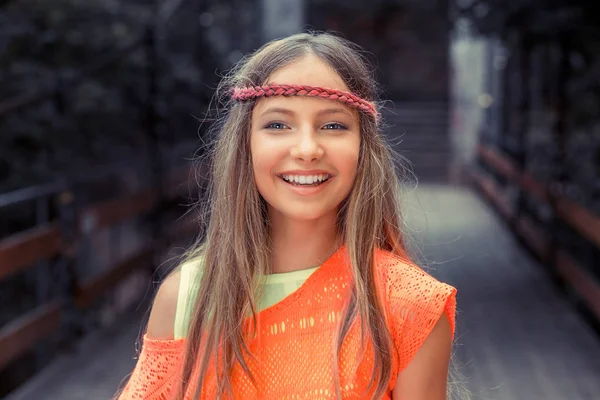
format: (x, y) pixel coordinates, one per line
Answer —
(59, 239)
(67, 221)
(541, 236)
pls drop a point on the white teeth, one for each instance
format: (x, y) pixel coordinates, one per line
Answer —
(305, 179)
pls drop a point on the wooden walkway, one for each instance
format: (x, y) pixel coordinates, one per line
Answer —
(517, 337)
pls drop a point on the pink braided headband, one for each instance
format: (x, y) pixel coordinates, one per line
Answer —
(274, 89)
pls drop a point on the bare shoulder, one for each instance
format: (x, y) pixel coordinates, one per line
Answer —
(162, 317)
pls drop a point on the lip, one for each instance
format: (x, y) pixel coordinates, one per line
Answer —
(301, 172)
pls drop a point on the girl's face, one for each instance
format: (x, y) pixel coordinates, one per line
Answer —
(304, 150)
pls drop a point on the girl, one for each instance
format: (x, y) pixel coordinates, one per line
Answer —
(302, 287)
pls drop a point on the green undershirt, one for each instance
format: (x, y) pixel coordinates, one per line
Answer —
(275, 288)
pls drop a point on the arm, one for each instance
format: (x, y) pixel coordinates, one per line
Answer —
(421, 314)
(425, 377)
(161, 324)
(161, 355)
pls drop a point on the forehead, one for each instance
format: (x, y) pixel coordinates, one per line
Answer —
(309, 70)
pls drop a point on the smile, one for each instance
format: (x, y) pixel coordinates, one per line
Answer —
(306, 180)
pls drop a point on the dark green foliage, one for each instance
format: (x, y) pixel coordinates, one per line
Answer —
(104, 117)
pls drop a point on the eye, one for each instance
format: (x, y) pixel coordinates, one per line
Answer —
(335, 126)
(275, 126)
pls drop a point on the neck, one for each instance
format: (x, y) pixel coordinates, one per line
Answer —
(300, 245)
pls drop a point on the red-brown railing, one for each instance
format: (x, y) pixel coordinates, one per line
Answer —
(540, 237)
(59, 239)
(69, 218)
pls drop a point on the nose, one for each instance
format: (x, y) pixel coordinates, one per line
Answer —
(307, 148)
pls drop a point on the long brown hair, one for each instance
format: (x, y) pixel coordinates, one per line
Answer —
(235, 246)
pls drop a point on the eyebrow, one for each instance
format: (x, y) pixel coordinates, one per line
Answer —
(285, 111)
(278, 110)
(331, 111)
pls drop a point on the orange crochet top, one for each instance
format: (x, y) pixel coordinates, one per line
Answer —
(293, 350)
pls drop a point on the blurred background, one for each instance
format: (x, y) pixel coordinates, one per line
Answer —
(494, 105)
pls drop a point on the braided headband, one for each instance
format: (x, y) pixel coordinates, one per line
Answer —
(255, 92)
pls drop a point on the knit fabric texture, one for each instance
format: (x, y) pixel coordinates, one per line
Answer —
(275, 287)
(294, 347)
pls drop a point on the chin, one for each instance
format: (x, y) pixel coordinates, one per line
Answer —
(305, 215)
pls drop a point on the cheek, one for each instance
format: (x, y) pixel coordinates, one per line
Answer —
(263, 161)
(346, 156)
